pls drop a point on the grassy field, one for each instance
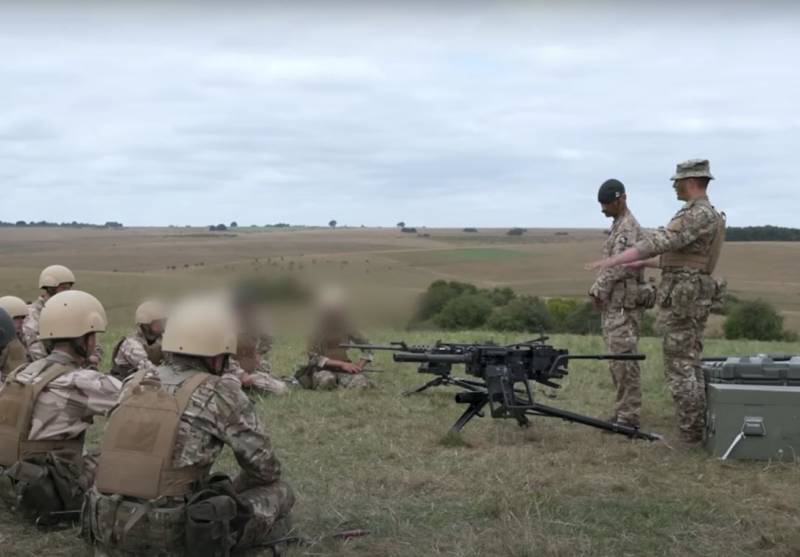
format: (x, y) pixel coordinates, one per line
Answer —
(377, 461)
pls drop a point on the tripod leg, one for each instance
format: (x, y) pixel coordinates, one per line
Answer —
(432, 383)
(472, 410)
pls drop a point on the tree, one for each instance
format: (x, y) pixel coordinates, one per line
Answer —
(234, 224)
(401, 224)
(468, 311)
(523, 314)
(756, 320)
(332, 224)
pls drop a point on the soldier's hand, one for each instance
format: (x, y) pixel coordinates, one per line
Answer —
(94, 361)
(351, 368)
(596, 265)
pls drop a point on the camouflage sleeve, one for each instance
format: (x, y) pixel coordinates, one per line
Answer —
(316, 356)
(693, 224)
(242, 431)
(234, 368)
(132, 353)
(609, 277)
(30, 335)
(357, 337)
(101, 391)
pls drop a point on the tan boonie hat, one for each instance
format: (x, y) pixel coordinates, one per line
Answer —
(693, 168)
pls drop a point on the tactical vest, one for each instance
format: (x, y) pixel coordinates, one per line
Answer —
(247, 353)
(704, 262)
(17, 403)
(13, 356)
(138, 444)
(154, 353)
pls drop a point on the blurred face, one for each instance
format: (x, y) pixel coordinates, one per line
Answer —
(613, 209)
(18, 324)
(681, 189)
(91, 343)
(64, 286)
(157, 327)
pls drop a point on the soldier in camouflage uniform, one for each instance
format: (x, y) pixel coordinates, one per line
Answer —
(142, 348)
(15, 354)
(188, 515)
(52, 280)
(46, 468)
(689, 247)
(616, 292)
(251, 362)
(328, 364)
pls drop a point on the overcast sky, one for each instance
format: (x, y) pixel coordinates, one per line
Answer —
(444, 114)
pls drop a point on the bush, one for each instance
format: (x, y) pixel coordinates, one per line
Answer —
(409, 230)
(502, 296)
(467, 311)
(470, 229)
(583, 320)
(523, 314)
(516, 232)
(755, 320)
(437, 296)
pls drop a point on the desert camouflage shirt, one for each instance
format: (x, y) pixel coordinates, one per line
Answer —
(324, 343)
(65, 408)
(30, 330)
(132, 353)
(625, 233)
(219, 414)
(691, 231)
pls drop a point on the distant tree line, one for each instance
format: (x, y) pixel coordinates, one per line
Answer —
(73, 224)
(762, 234)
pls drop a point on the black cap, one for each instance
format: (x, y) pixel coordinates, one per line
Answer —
(610, 191)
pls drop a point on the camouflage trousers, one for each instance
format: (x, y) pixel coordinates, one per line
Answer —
(270, 507)
(685, 306)
(325, 380)
(621, 334)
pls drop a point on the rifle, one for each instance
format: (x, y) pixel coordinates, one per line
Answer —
(503, 379)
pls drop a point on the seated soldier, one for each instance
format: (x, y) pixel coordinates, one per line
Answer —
(15, 354)
(328, 364)
(142, 348)
(52, 280)
(47, 406)
(154, 494)
(251, 362)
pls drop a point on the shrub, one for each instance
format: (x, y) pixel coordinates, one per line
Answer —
(755, 320)
(470, 229)
(524, 314)
(409, 230)
(560, 310)
(516, 232)
(583, 320)
(467, 311)
(501, 296)
(438, 294)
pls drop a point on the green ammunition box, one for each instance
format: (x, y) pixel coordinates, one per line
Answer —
(753, 408)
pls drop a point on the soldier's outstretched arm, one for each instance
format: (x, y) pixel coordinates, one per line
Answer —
(630, 255)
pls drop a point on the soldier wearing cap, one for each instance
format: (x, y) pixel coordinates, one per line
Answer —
(689, 247)
(15, 354)
(617, 293)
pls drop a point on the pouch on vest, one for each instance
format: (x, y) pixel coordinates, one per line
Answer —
(17, 401)
(208, 525)
(136, 457)
(647, 293)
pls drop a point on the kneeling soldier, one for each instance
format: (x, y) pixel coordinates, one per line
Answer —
(46, 407)
(142, 348)
(15, 354)
(154, 494)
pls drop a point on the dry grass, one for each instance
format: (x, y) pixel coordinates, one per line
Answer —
(378, 461)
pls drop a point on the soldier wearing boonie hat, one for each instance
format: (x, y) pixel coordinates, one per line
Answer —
(689, 249)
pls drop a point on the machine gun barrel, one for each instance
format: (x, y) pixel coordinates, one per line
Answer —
(773, 357)
(421, 358)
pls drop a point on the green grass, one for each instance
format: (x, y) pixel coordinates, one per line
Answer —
(378, 461)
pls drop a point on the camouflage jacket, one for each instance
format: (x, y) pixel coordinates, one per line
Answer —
(30, 333)
(220, 414)
(65, 408)
(325, 341)
(691, 230)
(625, 233)
(30, 330)
(11, 357)
(132, 354)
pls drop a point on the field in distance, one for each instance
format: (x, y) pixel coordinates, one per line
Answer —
(121, 266)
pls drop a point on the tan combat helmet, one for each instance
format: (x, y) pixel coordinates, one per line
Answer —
(55, 275)
(71, 314)
(201, 327)
(150, 311)
(15, 307)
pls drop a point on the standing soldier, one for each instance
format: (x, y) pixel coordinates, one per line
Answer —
(328, 364)
(15, 354)
(689, 247)
(46, 408)
(617, 292)
(142, 348)
(154, 493)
